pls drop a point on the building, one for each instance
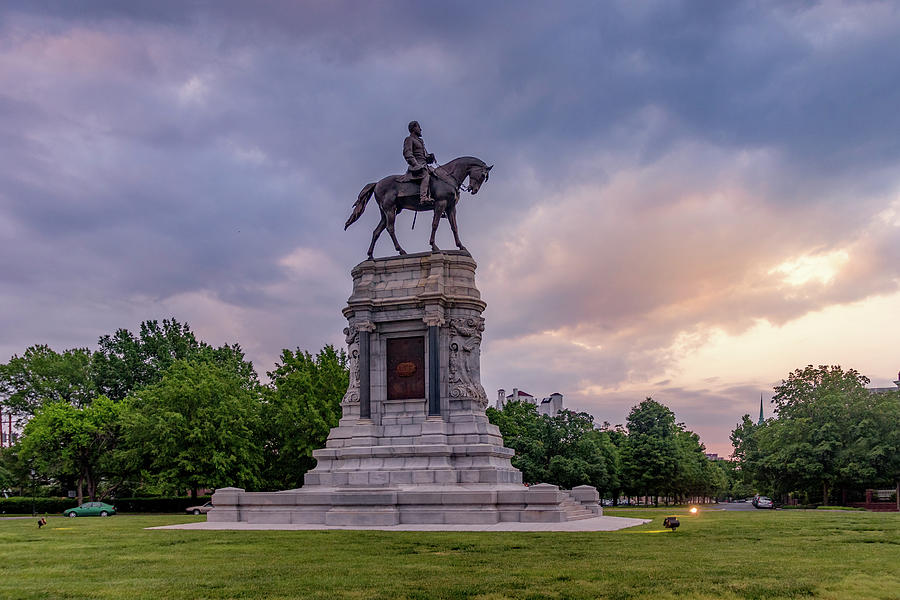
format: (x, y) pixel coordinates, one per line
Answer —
(550, 406)
(884, 390)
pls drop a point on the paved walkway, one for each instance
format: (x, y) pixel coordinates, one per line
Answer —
(593, 524)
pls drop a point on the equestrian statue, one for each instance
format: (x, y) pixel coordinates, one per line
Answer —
(421, 188)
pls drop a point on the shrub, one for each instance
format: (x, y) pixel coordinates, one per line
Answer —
(156, 505)
(22, 505)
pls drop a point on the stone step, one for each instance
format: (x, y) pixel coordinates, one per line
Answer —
(573, 510)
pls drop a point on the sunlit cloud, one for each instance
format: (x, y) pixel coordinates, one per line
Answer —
(819, 267)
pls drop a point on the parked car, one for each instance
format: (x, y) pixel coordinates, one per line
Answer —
(91, 509)
(199, 510)
(763, 502)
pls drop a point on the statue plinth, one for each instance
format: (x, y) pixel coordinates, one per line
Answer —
(413, 444)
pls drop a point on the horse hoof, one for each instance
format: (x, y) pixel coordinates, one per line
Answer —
(402, 252)
(464, 250)
(435, 248)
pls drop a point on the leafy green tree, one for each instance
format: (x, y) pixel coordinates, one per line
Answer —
(64, 440)
(42, 375)
(198, 427)
(565, 449)
(871, 452)
(830, 432)
(814, 410)
(301, 405)
(574, 450)
(521, 428)
(738, 482)
(16, 471)
(126, 362)
(650, 454)
(694, 474)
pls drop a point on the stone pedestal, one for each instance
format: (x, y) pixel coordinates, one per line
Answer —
(413, 444)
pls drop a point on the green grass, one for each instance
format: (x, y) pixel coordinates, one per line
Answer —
(753, 555)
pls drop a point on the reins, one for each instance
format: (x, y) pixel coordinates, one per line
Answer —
(443, 175)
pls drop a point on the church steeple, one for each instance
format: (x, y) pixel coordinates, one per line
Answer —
(761, 419)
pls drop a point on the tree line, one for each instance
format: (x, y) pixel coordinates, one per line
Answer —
(652, 456)
(160, 412)
(830, 439)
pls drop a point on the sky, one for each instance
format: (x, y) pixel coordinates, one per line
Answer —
(689, 199)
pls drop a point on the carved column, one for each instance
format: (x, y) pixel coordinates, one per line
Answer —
(434, 322)
(365, 369)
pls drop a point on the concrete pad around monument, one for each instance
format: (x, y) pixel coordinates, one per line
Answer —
(592, 524)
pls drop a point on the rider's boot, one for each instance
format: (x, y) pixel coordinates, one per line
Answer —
(424, 188)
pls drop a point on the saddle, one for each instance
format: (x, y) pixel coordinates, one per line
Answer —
(411, 176)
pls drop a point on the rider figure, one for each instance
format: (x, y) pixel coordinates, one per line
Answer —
(418, 159)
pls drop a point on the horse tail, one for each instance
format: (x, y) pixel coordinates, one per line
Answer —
(360, 205)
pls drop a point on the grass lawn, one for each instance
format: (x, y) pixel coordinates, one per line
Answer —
(716, 554)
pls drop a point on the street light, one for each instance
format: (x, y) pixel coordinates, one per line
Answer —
(33, 511)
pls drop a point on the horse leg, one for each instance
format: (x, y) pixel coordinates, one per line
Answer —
(451, 216)
(391, 215)
(378, 229)
(435, 221)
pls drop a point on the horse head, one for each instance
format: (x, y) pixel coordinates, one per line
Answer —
(478, 174)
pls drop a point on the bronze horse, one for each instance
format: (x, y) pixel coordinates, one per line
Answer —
(393, 195)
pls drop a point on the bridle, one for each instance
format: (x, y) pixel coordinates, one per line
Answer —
(459, 184)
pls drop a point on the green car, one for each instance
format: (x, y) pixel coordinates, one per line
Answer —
(91, 509)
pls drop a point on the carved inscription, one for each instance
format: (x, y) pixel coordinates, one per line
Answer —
(405, 368)
(465, 359)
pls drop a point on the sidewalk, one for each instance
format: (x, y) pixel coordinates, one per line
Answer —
(594, 524)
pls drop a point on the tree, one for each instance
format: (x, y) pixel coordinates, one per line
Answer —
(565, 450)
(577, 452)
(814, 408)
(197, 427)
(830, 432)
(42, 375)
(301, 405)
(520, 425)
(650, 454)
(694, 474)
(745, 458)
(126, 362)
(64, 440)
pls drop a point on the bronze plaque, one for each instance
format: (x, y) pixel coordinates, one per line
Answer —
(405, 368)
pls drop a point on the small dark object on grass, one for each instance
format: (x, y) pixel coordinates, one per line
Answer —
(671, 523)
(41, 522)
